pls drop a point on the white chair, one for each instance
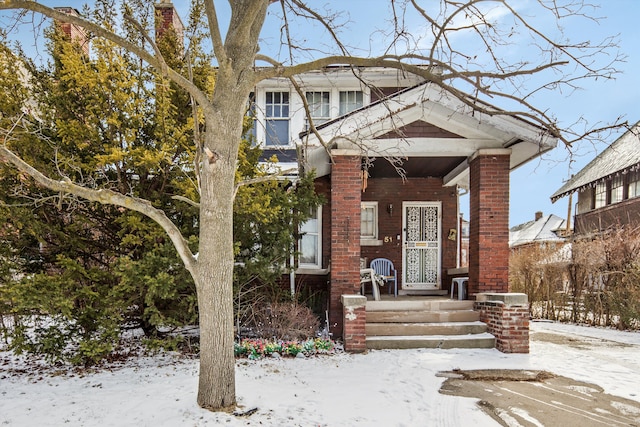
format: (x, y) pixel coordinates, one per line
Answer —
(368, 275)
(384, 267)
(460, 283)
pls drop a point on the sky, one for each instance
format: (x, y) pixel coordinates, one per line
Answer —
(598, 102)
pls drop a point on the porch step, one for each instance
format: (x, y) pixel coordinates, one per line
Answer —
(484, 340)
(421, 329)
(422, 316)
(425, 323)
(423, 292)
(419, 305)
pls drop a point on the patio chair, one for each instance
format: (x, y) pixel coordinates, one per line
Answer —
(385, 268)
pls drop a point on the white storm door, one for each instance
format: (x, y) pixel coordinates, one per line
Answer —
(421, 245)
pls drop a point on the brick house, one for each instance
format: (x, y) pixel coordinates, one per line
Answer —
(391, 153)
(608, 188)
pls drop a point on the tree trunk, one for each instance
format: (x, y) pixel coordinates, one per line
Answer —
(214, 272)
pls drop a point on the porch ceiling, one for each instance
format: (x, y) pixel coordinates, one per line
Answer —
(416, 167)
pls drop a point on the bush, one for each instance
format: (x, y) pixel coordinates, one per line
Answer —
(285, 321)
(599, 284)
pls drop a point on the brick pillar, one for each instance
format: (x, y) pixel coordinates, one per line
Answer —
(354, 316)
(346, 187)
(489, 222)
(507, 318)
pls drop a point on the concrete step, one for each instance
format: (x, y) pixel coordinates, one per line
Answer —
(484, 340)
(425, 305)
(407, 316)
(417, 329)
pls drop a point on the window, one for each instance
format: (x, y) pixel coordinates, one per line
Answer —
(369, 220)
(310, 244)
(634, 184)
(251, 115)
(319, 107)
(600, 196)
(277, 118)
(617, 189)
(350, 100)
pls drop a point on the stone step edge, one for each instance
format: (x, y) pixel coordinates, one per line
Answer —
(418, 306)
(422, 311)
(481, 336)
(471, 323)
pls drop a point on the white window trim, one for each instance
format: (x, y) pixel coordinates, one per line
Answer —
(371, 240)
(600, 189)
(617, 189)
(261, 116)
(308, 266)
(633, 187)
(297, 117)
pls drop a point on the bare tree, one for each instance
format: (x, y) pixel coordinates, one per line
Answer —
(474, 70)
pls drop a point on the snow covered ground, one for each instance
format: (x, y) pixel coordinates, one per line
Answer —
(381, 388)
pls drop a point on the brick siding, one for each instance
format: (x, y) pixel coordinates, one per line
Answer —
(346, 186)
(489, 224)
(508, 323)
(354, 316)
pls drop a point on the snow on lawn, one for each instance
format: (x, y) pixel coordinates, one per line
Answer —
(380, 388)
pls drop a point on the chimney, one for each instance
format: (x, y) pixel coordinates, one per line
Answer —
(167, 18)
(76, 33)
(538, 215)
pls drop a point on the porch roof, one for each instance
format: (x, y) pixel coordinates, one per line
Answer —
(369, 131)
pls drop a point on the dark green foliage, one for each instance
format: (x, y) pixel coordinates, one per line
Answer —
(266, 219)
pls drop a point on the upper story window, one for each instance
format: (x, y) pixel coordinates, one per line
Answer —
(350, 100)
(634, 184)
(617, 189)
(277, 118)
(600, 195)
(369, 220)
(319, 107)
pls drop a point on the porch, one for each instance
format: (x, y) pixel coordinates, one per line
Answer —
(492, 321)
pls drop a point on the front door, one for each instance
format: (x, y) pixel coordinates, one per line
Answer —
(421, 245)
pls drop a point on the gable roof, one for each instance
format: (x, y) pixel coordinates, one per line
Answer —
(620, 157)
(367, 131)
(544, 229)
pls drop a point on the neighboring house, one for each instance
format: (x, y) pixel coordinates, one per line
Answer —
(463, 255)
(391, 153)
(608, 187)
(75, 33)
(546, 233)
(547, 230)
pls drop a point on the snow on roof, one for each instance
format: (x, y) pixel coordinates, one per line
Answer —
(543, 229)
(620, 157)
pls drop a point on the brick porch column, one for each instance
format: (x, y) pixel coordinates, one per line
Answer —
(489, 222)
(507, 318)
(354, 314)
(346, 187)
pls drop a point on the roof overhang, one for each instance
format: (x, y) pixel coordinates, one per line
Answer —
(361, 130)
